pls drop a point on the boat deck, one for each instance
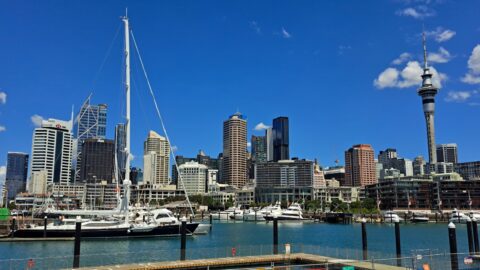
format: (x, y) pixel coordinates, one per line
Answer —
(232, 262)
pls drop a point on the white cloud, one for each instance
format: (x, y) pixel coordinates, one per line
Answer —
(458, 96)
(2, 128)
(254, 26)
(3, 97)
(419, 12)
(409, 76)
(261, 126)
(174, 148)
(343, 48)
(36, 120)
(473, 74)
(440, 34)
(404, 57)
(285, 34)
(249, 144)
(442, 56)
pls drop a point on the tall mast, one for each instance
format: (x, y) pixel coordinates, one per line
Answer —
(126, 181)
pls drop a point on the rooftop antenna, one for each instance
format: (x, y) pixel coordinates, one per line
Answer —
(424, 39)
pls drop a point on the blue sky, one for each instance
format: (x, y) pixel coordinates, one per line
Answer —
(344, 72)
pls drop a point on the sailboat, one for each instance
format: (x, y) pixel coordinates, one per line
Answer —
(117, 222)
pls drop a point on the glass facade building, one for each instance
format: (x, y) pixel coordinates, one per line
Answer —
(280, 139)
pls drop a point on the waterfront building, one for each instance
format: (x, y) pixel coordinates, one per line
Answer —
(468, 170)
(72, 196)
(245, 196)
(52, 150)
(16, 174)
(428, 91)
(269, 143)
(120, 145)
(193, 176)
(344, 194)
(148, 193)
(444, 191)
(98, 161)
(285, 180)
(90, 123)
(156, 159)
(280, 133)
(447, 153)
(234, 164)
(419, 166)
(259, 149)
(360, 166)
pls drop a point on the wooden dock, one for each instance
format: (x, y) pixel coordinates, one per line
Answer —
(252, 261)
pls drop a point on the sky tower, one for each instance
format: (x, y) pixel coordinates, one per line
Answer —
(427, 91)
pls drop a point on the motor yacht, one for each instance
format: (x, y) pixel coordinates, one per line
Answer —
(458, 217)
(391, 217)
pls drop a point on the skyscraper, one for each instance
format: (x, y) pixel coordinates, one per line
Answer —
(427, 91)
(16, 177)
(52, 150)
(97, 161)
(447, 153)
(280, 139)
(194, 177)
(234, 164)
(156, 159)
(120, 144)
(90, 123)
(259, 148)
(269, 142)
(385, 156)
(360, 166)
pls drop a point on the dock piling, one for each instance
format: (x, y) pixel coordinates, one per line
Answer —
(275, 235)
(78, 238)
(452, 238)
(475, 235)
(45, 220)
(470, 237)
(397, 242)
(183, 239)
(364, 239)
(14, 227)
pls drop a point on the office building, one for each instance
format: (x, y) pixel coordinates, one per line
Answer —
(269, 142)
(259, 149)
(98, 161)
(120, 145)
(52, 150)
(280, 133)
(385, 156)
(468, 170)
(194, 178)
(90, 123)
(285, 173)
(156, 159)
(419, 164)
(447, 153)
(335, 173)
(234, 164)
(16, 175)
(38, 183)
(360, 166)
(428, 91)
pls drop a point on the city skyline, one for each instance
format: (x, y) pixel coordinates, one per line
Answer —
(344, 122)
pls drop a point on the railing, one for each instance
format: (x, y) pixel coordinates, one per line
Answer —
(435, 259)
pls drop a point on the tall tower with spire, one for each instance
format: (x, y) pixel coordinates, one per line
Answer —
(427, 91)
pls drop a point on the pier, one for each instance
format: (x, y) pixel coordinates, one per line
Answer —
(254, 261)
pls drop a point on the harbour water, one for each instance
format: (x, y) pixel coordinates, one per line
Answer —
(247, 238)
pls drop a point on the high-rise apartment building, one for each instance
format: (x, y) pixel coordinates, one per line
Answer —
(156, 159)
(90, 123)
(16, 175)
(360, 165)
(120, 145)
(234, 163)
(447, 153)
(259, 148)
(97, 161)
(285, 173)
(194, 177)
(52, 150)
(280, 139)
